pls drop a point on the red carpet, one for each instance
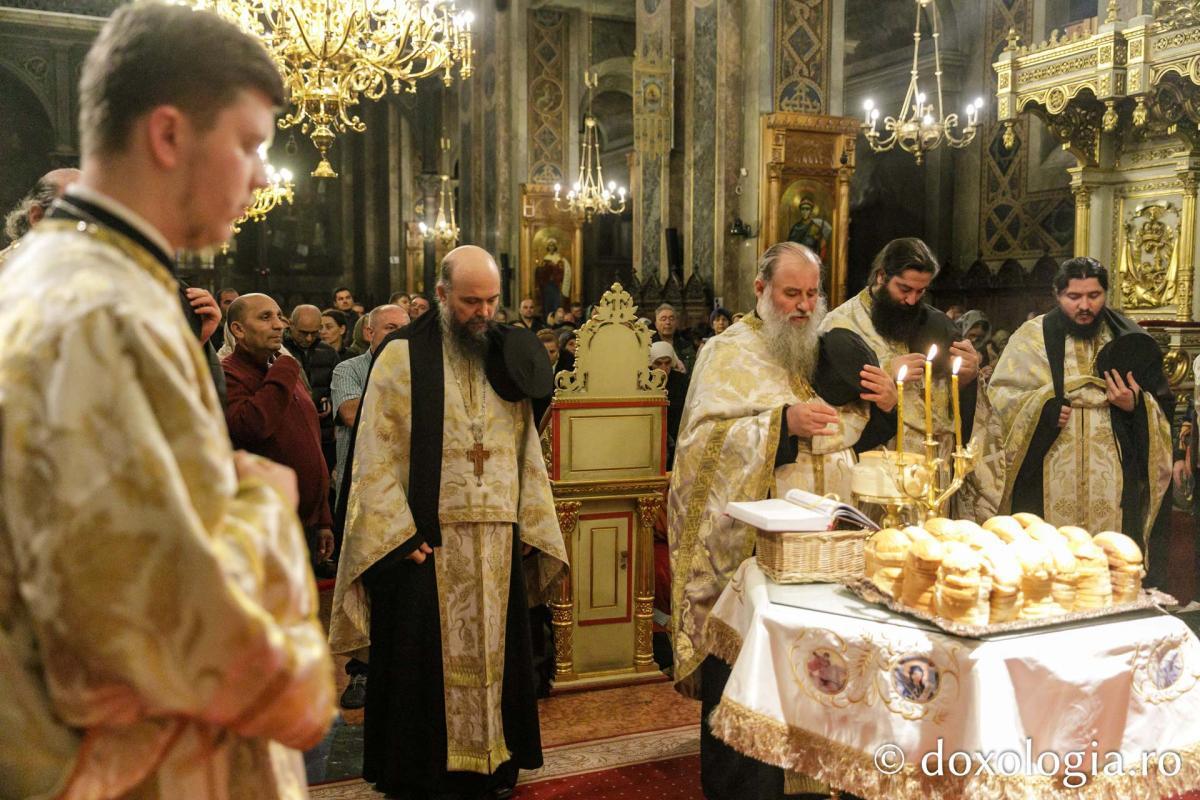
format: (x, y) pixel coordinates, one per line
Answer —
(672, 779)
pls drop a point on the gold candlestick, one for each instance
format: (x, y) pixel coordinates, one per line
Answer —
(954, 400)
(900, 376)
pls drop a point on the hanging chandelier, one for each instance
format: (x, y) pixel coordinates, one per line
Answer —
(590, 196)
(444, 230)
(279, 190)
(333, 53)
(921, 125)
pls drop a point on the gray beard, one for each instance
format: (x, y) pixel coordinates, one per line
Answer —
(469, 344)
(795, 348)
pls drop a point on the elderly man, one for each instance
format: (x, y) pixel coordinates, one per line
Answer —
(33, 206)
(448, 488)
(159, 628)
(752, 423)
(1082, 444)
(666, 329)
(303, 340)
(271, 413)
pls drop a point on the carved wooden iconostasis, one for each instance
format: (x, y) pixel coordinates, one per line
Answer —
(551, 245)
(808, 161)
(606, 454)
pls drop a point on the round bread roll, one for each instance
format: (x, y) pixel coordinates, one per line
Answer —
(920, 573)
(1007, 528)
(1066, 572)
(916, 534)
(958, 596)
(982, 540)
(1045, 533)
(1093, 586)
(944, 529)
(1027, 519)
(1074, 533)
(1005, 572)
(1119, 548)
(967, 527)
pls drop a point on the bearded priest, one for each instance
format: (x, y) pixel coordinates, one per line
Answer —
(448, 493)
(753, 427)
(892, 316)
(1081, 403)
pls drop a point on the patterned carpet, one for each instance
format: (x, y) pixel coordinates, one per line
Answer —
(641, 740)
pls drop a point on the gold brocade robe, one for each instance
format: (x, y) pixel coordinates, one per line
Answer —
(156, 617)
(472, 564)
(726, 451)
(855, 315)
(1082, 474)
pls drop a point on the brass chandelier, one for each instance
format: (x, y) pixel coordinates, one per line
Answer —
(279, 190)
(333, 53)
(921, 125)
(445, 228)
(589, 195)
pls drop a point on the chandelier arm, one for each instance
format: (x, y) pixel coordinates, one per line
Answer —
(910, 96)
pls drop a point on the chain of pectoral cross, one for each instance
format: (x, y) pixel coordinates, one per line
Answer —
(475, 454)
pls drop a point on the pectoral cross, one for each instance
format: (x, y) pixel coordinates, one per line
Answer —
(477, 455)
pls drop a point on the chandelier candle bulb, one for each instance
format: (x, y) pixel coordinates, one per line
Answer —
(954, 399)
(929, 392)
(900, 376)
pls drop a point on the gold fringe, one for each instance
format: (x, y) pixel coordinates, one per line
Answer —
(471, 759)
(850, 769)
(795, 783)
(721, 640)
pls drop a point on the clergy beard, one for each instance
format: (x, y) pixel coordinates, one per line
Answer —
(470, 343)
(1085, 330)
(895, 321)
(795, 348)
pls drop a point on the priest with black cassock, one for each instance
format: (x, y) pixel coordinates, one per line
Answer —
(1080, 410)
(448, 493)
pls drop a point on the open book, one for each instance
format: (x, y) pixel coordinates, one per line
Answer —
(799, 510)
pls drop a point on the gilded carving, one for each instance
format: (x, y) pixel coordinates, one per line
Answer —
(568, 516)
(1136, 49)
(1078, 129)
(1056, 69)
(1172, 14)
(1176, 364)
(600, 341)
(648, 508)
(1149, 257)
(644, 632)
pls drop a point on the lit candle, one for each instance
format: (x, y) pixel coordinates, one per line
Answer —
(929, 392)
(900, 376)
(954, 399)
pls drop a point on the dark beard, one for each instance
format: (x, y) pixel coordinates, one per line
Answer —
(895, 321)
(470, 343)
(1089, 331)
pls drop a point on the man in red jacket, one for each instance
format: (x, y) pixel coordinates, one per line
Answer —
(271, 413)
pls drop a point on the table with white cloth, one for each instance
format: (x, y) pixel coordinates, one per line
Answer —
(880, 704)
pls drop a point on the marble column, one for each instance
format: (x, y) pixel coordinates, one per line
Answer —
(653, 89)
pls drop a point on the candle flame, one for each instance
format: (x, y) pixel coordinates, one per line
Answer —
(932, 352)
(957, 363)
(901, 375)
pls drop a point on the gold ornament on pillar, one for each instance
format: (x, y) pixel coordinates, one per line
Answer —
(333, 53)
(921, 125)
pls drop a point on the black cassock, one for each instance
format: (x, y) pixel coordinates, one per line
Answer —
(404, 742)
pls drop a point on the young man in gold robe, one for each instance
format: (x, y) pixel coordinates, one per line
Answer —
(891, 316)
(447, 492)
(1078, 447)
(752, 427)
(158, 630)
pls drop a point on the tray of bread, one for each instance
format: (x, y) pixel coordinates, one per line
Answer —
(1011, 573)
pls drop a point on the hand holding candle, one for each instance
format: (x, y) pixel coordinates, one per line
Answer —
(900, 376)
(954, 399)
(929, 391)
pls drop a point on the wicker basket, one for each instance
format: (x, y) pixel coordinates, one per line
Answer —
(821, 557)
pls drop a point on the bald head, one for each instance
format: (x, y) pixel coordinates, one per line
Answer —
(257, 325)
(305, 313)
(469, 286)
(467, 262)
(33, 206)
(245, 305)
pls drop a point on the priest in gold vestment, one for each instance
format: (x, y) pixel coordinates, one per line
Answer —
(891, 315)
(753, 427)
(448, 491)
(1077, 444)
(158, 617)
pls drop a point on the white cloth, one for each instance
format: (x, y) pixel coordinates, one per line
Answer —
(819, 689)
